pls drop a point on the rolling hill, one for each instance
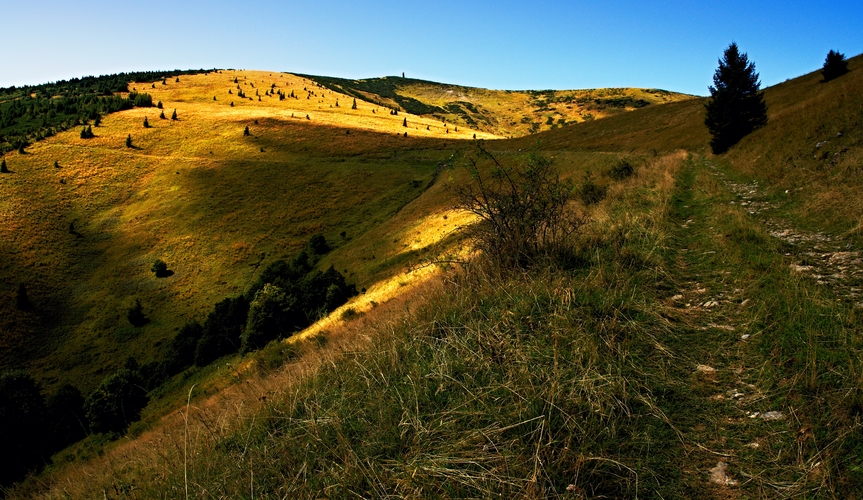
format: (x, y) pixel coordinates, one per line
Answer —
(689, 348)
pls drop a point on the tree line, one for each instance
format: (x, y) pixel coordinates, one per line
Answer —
(32, 113)
(287, 297)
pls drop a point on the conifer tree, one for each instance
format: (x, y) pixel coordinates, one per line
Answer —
(736, 107)
(246, 130)
(354, 106)
(129, 141)
(159, 105)
(835, 66)
(174, 115)
(405, 123)
(162, 115)
(146, 123)
(3, 169)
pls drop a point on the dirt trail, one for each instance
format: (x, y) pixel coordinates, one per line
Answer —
(829, 261)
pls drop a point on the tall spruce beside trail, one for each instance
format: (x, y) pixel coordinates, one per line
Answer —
(835, 66)
(736, 107)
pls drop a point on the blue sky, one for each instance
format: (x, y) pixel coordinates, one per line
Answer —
(558, 44)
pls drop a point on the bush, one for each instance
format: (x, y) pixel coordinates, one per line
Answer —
(160, 269)
(117, 402)
(621, 170)
(135, 315)
(835, 66)
(318, 245)
(590, 192)
(22, 301)
(524, 208)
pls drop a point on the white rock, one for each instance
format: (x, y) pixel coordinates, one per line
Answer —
(772, 415)
(719, 475)
(705, 369)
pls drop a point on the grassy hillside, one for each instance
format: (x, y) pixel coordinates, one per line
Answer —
(503, 112)
(195, 192)
(694, 343)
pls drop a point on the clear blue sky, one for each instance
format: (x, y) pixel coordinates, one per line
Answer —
(556, 44)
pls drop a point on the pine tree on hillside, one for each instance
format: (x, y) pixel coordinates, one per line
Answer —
(174, 115)
(129, 141)
(835, 66)
(354, 106)
(736, 107)
(405, 123)
(3, 169)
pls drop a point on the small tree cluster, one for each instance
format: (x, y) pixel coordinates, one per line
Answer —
(87, 132)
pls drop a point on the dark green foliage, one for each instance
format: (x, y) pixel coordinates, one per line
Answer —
(97, 120)
(41, 110)
(273, 314)
(162, 116)
(66, 414)
(87, 132)
(3, 168)
(405, 123)
(160, 269)
(135, 315)
(117, 402)
(621, 169)
(318, 245)
(141, 100)
(835, 66)
(22, 431)
(129, 141)
(590, 192)
(146, 123)
(222, 330)
(246, 130)
(159, 105)
(384, 87)
(21, 146)
(181, 350)
(174, 115)
(22, 301)
(736, 107)
(354, 105)
(297, 296)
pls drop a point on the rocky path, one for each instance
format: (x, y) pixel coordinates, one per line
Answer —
(747, 435)
(829, 261)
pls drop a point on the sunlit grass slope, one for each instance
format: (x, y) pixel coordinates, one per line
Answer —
(510, 113)
(195, 192)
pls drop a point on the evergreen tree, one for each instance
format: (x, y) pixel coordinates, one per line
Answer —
(129, 141)
(146, 123)
(162, 115)
(174, 115)
(135, 315)
(354, 106)
(405, 123)
(97, 120)
(736, 107)
(3, 168)
(159, 105)
(246, 130)
(835, 66)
